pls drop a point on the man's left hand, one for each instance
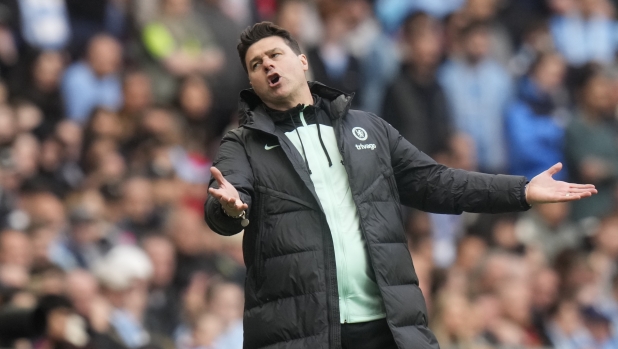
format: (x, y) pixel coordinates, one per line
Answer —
(544, 189)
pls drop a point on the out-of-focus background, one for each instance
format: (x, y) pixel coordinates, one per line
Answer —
(111, 112)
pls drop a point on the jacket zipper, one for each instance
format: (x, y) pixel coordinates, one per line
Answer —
(360, 217)
(344, 268)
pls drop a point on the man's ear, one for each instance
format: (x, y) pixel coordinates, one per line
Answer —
(304, 61)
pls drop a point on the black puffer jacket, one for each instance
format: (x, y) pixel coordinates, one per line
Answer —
(291, 286)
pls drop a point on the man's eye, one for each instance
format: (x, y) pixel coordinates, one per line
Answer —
(276, 54)
(255, 66)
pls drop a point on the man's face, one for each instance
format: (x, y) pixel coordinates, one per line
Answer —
(275, 71)
(477, 45)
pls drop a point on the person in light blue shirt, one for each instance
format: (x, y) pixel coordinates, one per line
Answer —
(478, 89)
(535, 121)
(585, 34)
(94, 82)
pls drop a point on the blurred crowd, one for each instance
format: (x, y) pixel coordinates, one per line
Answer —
(111, 112)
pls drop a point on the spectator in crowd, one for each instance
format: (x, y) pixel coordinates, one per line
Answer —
(141, 217)
(331, 61)
(136, 97)
(377, 54)
(415, 104)
(93, 82)
(584, 31)
(478, 90)
(536, 119)
(178, 45)
(225, 299)
(164, 299)
(591, 150)
(486, 11)
(42, 87)
(124, 274)
(201, 127)
(88, 239)
(549, 228)
(536, 39)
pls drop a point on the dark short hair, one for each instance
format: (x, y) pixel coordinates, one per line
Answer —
(259, 31)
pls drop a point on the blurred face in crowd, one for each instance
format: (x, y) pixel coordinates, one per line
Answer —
(42, 238)
(291, 15)
(70, 134)
(15, 248)
(176, 7)
(276, 73)
(207, 328)
(26, 152)
(45, 208)
(227, 302)
(163, 257)
(476, 45)
(470, 251)
(567, 316)
(137, 93)
(590, 7)
(562, 6)
(187, 230)
(549, 74)
(515, 297)
(606, 238)
(455, 312)
(596, 95)
(426, 49)
(554, 214)
(104, 55)
(8, 125)
(480, 10)
(545, 288)
(105, 124)
(161, 124)
(47, 70)
(195, 98)
(137, 199)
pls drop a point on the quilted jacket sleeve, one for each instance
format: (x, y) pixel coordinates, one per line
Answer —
(426, 185)
(233, 163)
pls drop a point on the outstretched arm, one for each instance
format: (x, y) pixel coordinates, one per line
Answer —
(424, 184)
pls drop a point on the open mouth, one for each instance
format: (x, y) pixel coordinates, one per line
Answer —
(273, 80)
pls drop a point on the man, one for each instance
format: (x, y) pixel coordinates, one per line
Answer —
(93, 82)
(317, 188)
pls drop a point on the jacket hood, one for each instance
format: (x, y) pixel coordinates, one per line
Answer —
(252, 111)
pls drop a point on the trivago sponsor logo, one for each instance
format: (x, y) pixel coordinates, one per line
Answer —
(365, 146)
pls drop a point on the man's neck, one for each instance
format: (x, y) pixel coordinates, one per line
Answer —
(304, 98)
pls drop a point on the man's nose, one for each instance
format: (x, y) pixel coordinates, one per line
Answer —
(268, 64)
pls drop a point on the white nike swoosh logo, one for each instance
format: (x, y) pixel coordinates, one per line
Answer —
(269, 147)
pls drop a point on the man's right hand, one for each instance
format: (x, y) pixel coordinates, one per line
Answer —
(227, 195)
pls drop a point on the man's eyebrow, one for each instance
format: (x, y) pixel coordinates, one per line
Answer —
(268, 53)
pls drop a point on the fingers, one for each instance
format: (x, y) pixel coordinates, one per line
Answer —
(228, 202)
(578, 190)
(217, 175)
(217, 193)
(555, 169)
